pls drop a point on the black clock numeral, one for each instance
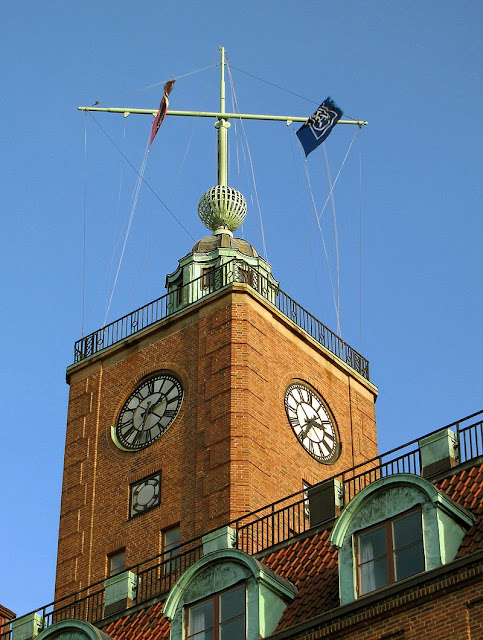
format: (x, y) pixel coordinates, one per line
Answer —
(139, 439)
(127, 428)
(294, 422)
(170, 413)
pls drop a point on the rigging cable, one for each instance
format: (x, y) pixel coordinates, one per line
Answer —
(317, 218)
(277, 86)
(156, 84)
(138, 186)
(84, 230)
(319, 215)
(336, 240)
(360, 243)
(235, 102)
(137, 189)
(143, 180)
(196, 125)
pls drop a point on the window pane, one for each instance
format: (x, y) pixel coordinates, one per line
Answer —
(232, 603)
(373, 575)
(117, 562)
(407, 529)
(200, 618)
(409, 561)
(171, 539)
(372, 544)
(233, 630)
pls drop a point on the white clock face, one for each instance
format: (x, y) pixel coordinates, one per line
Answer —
(312, 423)
(148, 412)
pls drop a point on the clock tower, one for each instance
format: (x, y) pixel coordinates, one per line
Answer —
(219, 398)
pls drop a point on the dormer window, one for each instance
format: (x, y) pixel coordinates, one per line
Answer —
(389, 552)
(397, 527)
(220, 617)
(226, 595)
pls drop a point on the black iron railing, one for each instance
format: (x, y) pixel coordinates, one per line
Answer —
(202, 287)
(263, 528)
(290, 516)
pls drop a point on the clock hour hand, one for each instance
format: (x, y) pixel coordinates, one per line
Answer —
(308, 426)
(156, 403)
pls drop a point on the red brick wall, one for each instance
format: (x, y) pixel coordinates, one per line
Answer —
(229, 451)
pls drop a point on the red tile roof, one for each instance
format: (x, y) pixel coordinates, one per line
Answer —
(466, 488)
(311, 564)
(146, 624)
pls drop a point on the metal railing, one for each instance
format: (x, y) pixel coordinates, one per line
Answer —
(219, 278)
(290, 516)
(155, 577)
(257, 531)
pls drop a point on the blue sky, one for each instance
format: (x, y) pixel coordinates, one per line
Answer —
(407, 202)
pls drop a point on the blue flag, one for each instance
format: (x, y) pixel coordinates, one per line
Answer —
(319, 125)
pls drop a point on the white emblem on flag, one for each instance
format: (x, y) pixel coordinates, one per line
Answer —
(322, 120)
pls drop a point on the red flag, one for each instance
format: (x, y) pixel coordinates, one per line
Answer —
(163, 107)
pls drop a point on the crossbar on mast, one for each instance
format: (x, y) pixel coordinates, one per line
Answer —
(212, 114)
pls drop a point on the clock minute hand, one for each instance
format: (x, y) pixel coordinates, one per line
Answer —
(146, 414)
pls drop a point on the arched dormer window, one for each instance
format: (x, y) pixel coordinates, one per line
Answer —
(397, 527)
(229, 595)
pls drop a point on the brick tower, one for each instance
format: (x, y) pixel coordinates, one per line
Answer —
(219, 398)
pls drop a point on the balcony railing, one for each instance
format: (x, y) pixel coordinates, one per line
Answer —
(202, 287)
(277, 522)
(282, 520)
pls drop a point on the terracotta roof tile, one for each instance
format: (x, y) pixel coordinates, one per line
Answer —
(146, 624)
(310, 564)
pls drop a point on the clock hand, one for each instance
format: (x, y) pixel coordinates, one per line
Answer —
(308, 425)
(162, 397)
(146, 414)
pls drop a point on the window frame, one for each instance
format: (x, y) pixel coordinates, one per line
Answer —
(215, 598)
(110, 557)
(171, 561)
(390, 550)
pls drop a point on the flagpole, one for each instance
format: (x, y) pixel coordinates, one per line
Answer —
(222, 125)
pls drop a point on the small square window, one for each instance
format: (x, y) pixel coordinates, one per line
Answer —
(389, 552)
(171, 540)
(145, 494)
(116, 562)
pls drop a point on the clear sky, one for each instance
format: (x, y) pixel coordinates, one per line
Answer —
(407, 204)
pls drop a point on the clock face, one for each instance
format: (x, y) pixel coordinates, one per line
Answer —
(312, 423)
(148, 412)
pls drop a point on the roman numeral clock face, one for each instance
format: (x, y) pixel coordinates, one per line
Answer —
(148, 412)
(312, 423)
